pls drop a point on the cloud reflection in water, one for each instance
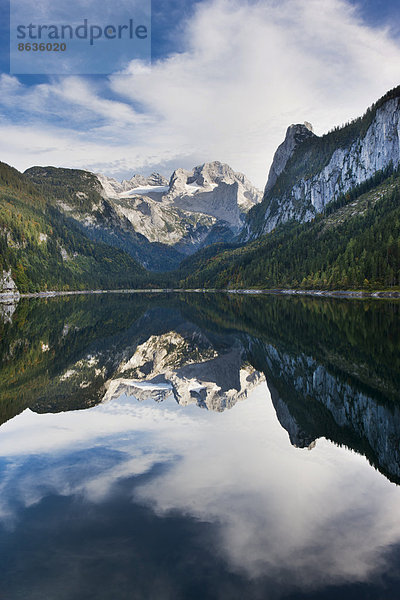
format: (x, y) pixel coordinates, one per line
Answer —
(299, 518)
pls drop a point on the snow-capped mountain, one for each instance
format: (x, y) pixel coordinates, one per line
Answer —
(212, 189)
(194, 209)
(155, 221)
(138, 183)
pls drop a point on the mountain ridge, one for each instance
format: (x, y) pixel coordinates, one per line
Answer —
(158, 225)
(41, 249)
(321, 168)
(356, 246)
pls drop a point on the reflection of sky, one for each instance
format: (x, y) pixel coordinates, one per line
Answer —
(311, 518)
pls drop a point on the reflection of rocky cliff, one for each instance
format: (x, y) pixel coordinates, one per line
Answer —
(7, 309)
(189, 367)
(332, 368)
(311, 402)
(298, 436)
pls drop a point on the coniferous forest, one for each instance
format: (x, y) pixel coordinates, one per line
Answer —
(354, 245)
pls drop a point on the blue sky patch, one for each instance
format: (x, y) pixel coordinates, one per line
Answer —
(75, 38)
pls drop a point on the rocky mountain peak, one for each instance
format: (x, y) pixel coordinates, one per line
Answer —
(215, 189)
(195, 208)
(212, 172)
(295, 135)
(298, 132)
(140, 180)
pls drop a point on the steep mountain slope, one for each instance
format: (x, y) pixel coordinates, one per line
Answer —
(196, 208)
(81, 197)
(295, 135)
(157, 223)
(40, 249)
(309, 174)
(355, 244)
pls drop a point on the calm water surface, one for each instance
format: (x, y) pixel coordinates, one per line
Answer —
(199, 446)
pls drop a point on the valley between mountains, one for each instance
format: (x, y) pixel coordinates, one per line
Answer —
(328, 219)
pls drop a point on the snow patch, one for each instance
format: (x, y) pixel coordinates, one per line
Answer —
(143, 191)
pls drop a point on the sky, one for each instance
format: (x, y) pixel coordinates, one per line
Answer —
(226, 79)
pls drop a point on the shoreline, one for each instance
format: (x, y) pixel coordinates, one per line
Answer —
(349, 294)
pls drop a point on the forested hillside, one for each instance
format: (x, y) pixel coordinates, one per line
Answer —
(79, 195)
(44, 250)
(354, 244)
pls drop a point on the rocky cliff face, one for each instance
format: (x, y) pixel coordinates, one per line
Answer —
(295, 135)
(309, 171)
(213, 189)
(164, 224)
(7, 284)
(194, 209)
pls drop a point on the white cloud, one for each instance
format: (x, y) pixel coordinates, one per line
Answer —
(72, 98)
(250, 68)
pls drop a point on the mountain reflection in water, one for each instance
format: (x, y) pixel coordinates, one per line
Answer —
(147, 494)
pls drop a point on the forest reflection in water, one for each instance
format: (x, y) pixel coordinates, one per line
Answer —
(169, 501)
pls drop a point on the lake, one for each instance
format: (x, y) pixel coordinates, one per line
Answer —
(199, 446)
